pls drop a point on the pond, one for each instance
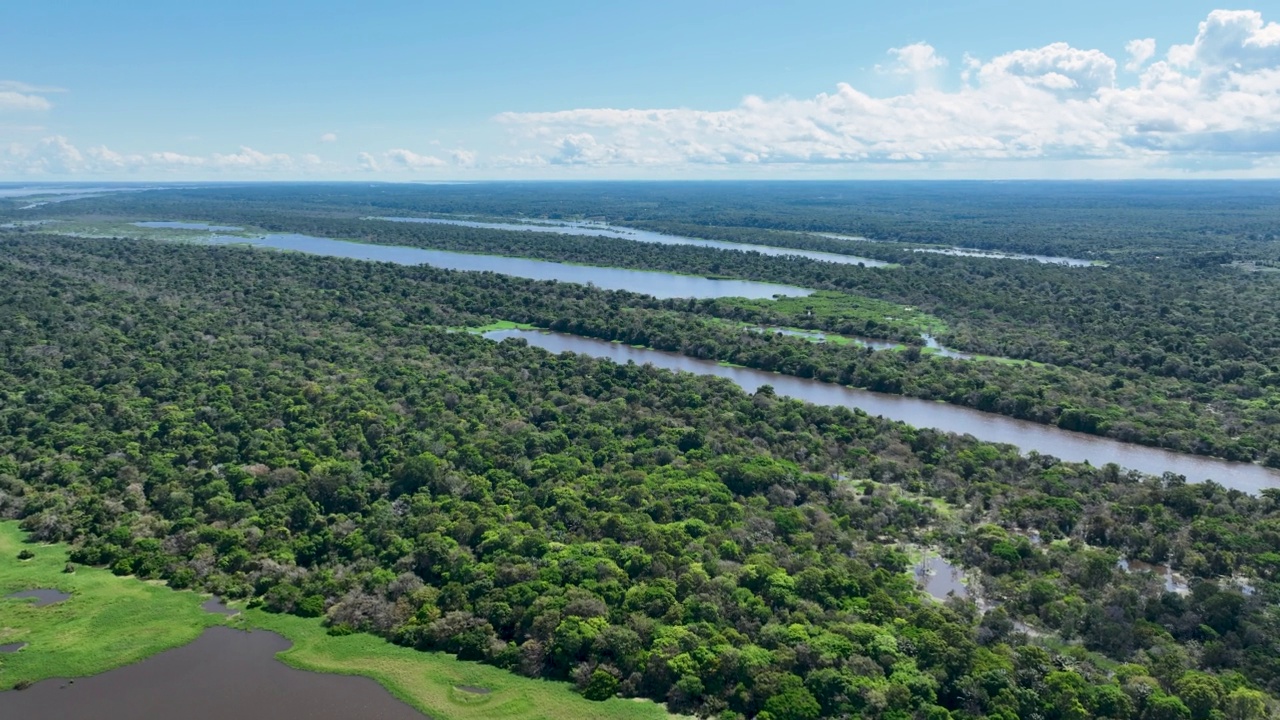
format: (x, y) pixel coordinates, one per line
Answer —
(819, 336)
(216, 605)
(225, 673)
(940, 578)
(1027, 436)
(175, 225)
(942, 350)
(645, 236)
(657, 284)
(972, 252)
(42, 596)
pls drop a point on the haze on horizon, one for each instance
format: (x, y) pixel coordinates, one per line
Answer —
(568, 90)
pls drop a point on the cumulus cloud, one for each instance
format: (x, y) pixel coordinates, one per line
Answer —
(250, 159)
(915, 59)
(367, 162)
(1219, 94)
(56, 155)
(409, 160)
(1209, 103)
(1231, 41)
(463, 158)
(1140, 51)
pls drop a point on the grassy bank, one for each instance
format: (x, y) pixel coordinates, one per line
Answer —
(112, 621)
(108, 621)
(833, 308)
(497, 325)
(431, 681)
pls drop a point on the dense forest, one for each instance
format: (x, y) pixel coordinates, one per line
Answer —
(314, 435)
(1173, 344)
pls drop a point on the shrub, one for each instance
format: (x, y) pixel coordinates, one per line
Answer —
(601, 686)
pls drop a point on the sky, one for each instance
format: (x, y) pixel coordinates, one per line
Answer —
(698, 89)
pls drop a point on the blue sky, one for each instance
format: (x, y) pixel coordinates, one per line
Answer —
(558, 89)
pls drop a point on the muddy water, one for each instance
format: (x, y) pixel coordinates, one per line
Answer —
(226, 674)
(43, 596)
(1027, 436)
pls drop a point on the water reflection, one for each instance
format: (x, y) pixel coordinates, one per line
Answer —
(940, 349)
(940, 578)
(224, 674)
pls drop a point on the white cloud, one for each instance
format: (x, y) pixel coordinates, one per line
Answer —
(463, 158)
(1140, 51)
(1209, 104)
(56, 155)
(250, 159)
(1220, 94)
(16, 96)
(367, 162)
(17, 86)
(409, 160)
(1231, 41)
(175, 160)
(914, 59)
(10, 100)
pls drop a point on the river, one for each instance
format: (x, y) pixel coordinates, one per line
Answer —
(1027, 436)
(972, 252)
(658, 284)
(645, 236)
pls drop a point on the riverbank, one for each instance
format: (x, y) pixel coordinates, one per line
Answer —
(1026, 435)
(663, 284)
(109, 622)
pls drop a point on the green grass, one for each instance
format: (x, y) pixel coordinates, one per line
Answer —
(842, 307)
(114, 228)
(430, 681)
(497, 325)
(111, 621)
(108, 621)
